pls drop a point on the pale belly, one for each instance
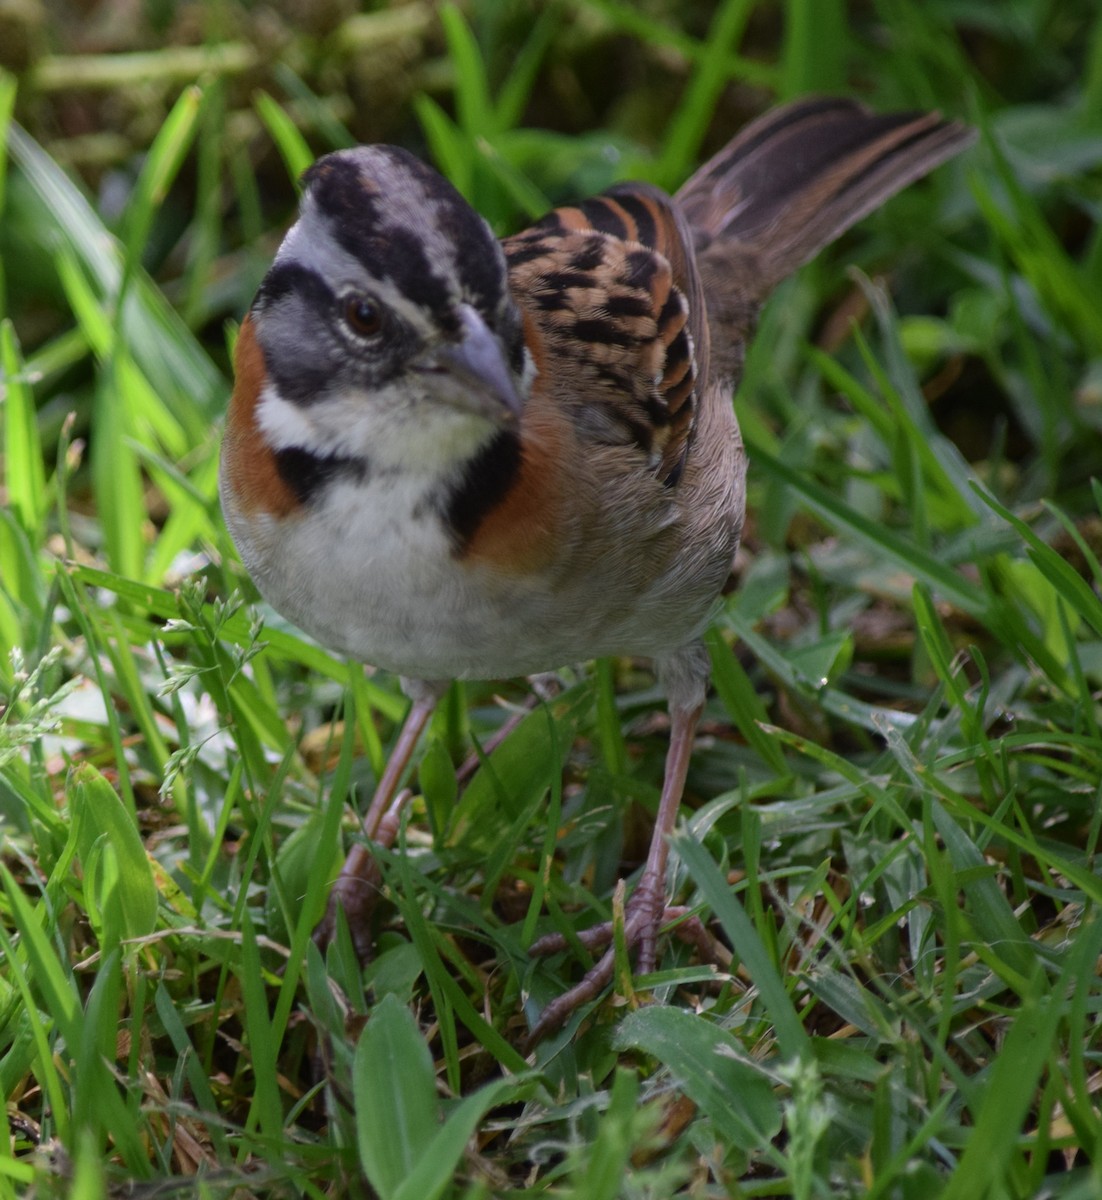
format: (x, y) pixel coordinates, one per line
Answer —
(375, 578)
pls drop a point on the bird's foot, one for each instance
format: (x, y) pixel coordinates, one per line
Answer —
(646, 913)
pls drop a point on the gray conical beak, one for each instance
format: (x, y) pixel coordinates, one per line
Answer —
(477, 363)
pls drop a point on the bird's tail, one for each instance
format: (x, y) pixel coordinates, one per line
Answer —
(794, 180)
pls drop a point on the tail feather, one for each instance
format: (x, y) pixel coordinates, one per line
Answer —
(798, 177)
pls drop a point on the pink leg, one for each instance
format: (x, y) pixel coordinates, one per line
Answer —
(646, 908)
(358, 883)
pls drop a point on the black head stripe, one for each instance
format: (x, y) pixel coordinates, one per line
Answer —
(387, 208)
(292, 277)
(339, 189)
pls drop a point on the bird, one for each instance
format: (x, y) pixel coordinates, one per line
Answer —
(451, 456)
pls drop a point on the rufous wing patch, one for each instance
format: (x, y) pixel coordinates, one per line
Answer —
(604, 285)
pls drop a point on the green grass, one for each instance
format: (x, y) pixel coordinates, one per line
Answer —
(896, 802)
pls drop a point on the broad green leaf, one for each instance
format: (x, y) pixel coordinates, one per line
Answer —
(436, 1168)
(394, 1091)
(520, 768)
(126, 894)
(712, 1068)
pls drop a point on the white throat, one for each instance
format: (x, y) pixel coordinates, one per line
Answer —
(389, 428)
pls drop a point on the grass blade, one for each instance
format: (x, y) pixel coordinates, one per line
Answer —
(24, 472)
(748, 947)
(686, 131)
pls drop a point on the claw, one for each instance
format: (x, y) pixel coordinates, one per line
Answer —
(641, 923)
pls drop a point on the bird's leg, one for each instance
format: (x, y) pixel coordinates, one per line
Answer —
(357, 886)
(646, 909)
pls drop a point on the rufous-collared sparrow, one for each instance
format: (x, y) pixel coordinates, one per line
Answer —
(458, 458)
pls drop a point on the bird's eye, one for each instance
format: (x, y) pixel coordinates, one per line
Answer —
(362, 315)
